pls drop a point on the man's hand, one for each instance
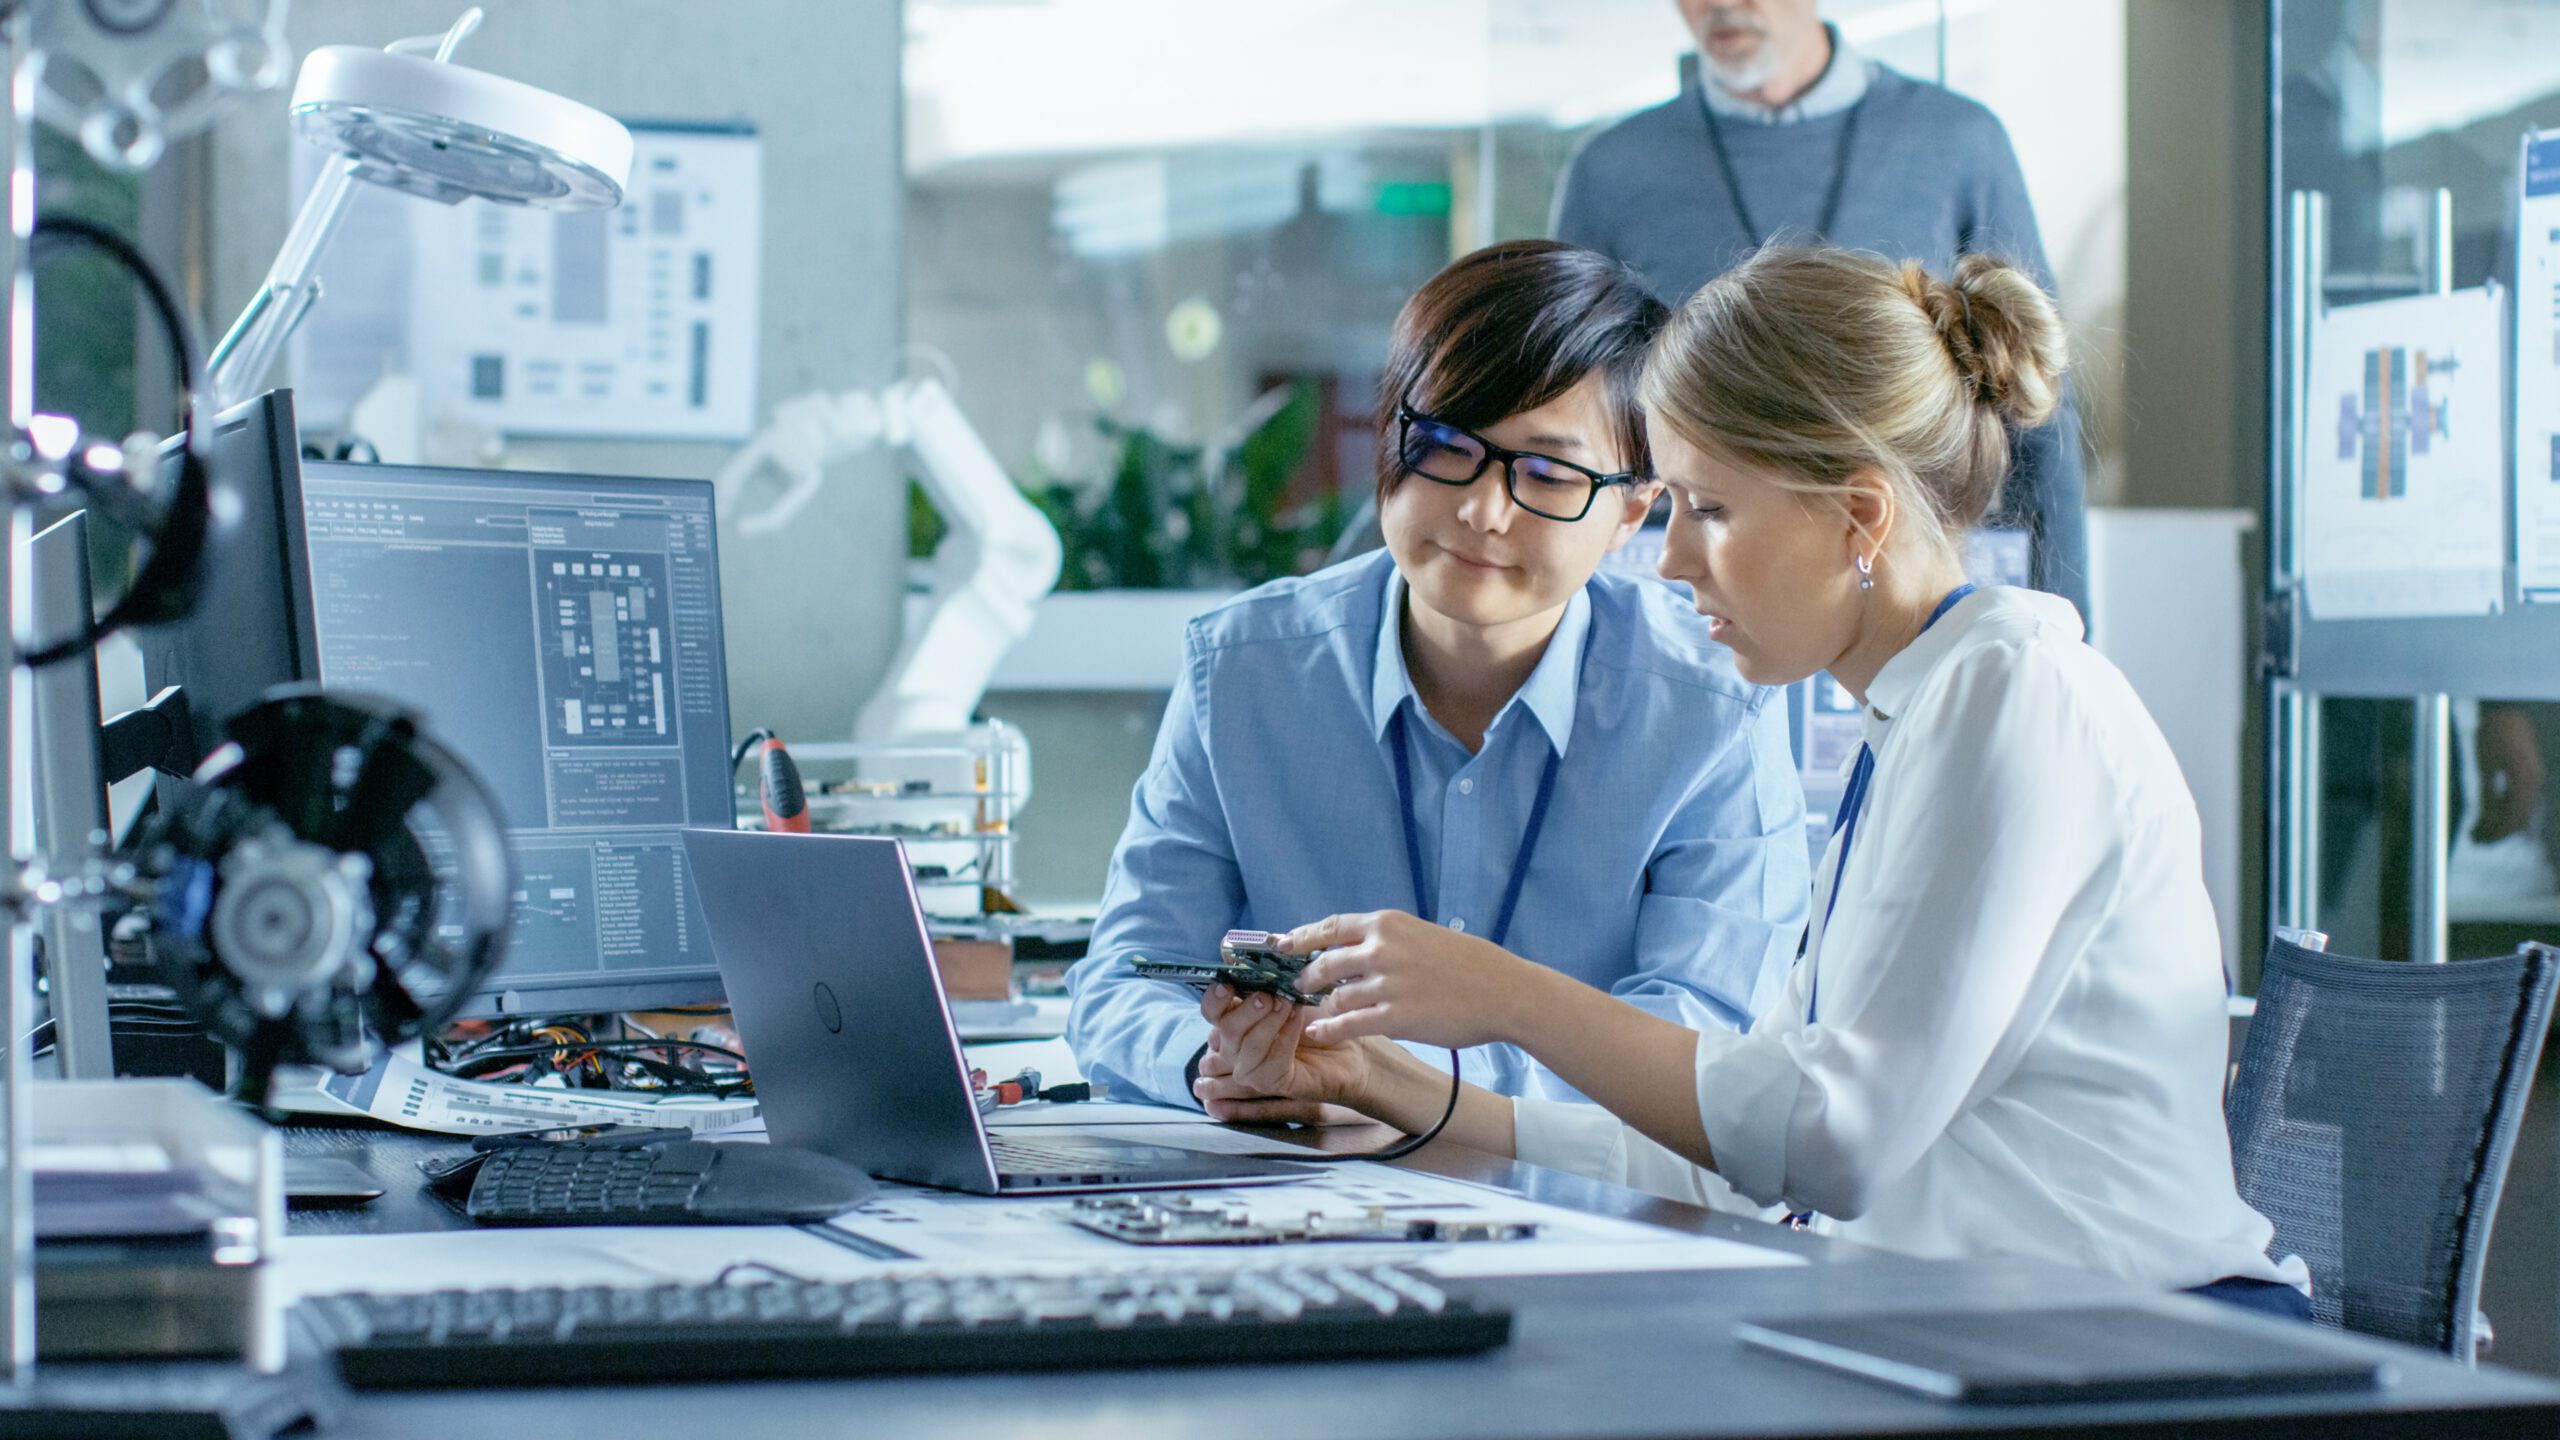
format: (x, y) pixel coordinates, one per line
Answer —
(1260, 1067)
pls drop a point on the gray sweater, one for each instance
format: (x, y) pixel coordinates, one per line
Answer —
(1931, 177)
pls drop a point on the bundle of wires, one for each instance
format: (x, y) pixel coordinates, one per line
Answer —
(600, 1052)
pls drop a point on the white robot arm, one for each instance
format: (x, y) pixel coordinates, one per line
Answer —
(1000, 556)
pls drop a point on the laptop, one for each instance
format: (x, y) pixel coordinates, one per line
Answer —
(822, 949)
(2076, 1353)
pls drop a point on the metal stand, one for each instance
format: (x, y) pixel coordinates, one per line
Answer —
(17, 1219)
(2431, 733)
(186, 1401)
(69, 794)
(2293, 812)
(2293, 808)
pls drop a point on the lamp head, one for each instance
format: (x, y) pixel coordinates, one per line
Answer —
(448, 133)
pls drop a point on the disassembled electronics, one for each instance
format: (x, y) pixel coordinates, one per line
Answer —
(1248, 960)
(1186, 1220)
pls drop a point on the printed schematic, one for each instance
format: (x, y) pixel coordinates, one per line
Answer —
(2402, 507)
(608, 669)
(2395, 416)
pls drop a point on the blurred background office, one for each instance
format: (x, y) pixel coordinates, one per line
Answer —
(1152, 248)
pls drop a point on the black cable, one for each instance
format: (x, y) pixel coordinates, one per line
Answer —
(750, 1267)
(746, 747)
(164, 587)
(536, 1050)
(1394, 1151)
(672, 1076)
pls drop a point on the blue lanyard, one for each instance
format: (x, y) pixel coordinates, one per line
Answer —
(1850, 802)
(1854, 798)
(1413, 833)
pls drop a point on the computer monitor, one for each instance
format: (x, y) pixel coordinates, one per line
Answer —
(247, 632)
(562, 634)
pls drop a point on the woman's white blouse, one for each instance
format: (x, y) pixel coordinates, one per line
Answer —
(2021, 1037)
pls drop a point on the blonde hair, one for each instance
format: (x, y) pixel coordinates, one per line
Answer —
(1815, 366)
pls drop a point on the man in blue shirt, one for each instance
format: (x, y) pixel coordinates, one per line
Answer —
(1791, 135)
(1472, 725)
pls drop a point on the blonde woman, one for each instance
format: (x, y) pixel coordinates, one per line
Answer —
(2006, 1032)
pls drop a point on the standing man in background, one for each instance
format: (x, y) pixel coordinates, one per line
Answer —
(1783, 131)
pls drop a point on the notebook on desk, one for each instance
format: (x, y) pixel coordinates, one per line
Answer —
(830, 977)
(2040, 1357)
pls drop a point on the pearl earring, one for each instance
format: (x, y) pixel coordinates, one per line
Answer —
(1866, 573)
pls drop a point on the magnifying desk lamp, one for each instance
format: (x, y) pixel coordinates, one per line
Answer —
(440, 131)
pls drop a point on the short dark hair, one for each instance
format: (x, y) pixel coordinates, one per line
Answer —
(1510, 328)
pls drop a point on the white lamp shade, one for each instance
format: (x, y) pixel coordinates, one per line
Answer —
(449, 133)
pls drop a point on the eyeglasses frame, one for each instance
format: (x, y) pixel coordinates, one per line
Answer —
(1406, 416)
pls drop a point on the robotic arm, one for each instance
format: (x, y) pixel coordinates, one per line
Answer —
(1000, 556)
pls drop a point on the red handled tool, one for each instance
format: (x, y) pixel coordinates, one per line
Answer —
(786, 805)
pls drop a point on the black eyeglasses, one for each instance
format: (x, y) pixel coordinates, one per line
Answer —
(1540, 484)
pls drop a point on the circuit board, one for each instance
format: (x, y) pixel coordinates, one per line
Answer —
(1187, 1220)
(1247, 968)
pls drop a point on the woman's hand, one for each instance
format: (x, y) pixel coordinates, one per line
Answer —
(1260, 1066)
(1393, 975)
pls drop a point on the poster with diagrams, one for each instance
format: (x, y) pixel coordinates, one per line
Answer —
(636, 321)
(2538, 372)
(640, 321)
(2403, 508)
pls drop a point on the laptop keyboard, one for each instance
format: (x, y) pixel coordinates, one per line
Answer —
(1060, 1156)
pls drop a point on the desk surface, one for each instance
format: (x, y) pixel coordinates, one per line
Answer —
(1644, 1355)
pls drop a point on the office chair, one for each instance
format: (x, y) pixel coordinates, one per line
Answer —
(2372, 1117)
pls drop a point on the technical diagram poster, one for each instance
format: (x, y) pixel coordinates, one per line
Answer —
(639, 321)
(2538, 372)
(2404, 465)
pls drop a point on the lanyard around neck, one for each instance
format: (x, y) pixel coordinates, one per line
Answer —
(1851, 801)
(1413, 833)
(1733, 183)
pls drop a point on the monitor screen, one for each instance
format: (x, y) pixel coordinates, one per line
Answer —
(562, 634)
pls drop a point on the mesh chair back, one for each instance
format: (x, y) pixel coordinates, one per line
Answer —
(2372, 1116)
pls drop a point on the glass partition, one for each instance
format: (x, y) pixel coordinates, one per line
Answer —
(1155, 248)
(2408, 818)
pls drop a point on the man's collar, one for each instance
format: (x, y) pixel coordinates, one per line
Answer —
(1842, 84)
(1550, 693)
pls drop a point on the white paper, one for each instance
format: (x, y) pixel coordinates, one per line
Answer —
(1004, 1059)
(2404, 466)
(1031, 1232)
(403, 1092)
(546, 1255)
(2538, 372)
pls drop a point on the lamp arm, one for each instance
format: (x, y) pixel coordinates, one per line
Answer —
(250, 347)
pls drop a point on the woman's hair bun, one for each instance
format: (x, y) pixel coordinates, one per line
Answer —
(2002, 331)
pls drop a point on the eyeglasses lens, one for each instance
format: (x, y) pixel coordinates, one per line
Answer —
(1547, 488)
(1437, 452)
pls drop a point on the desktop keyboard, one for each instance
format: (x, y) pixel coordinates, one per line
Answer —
(880, 1324)
(662, 1182)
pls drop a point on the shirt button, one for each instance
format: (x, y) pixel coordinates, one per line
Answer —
(1466, 787)
(1459, 924)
